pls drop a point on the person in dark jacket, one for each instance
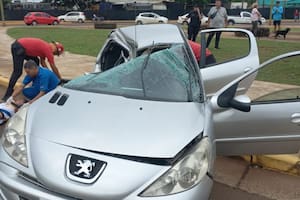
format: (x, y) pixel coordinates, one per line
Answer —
(195, 17)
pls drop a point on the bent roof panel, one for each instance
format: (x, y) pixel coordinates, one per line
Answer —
(146, 35)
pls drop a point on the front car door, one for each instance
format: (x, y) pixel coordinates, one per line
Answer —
(272, 125)
(237, 54)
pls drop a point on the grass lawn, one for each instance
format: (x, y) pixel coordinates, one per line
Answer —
(89, 42)
(79, 41)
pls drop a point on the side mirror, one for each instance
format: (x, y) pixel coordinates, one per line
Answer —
(228, 100)
(241, 103)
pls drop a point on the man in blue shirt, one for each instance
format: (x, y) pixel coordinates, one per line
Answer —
(41, 79)
(277, 16)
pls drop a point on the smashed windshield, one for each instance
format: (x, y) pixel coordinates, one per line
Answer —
(166, 75)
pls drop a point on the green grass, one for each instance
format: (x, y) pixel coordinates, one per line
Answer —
(79, 41)
(89, 42)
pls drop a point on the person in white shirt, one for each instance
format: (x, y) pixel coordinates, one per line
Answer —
(255, 16)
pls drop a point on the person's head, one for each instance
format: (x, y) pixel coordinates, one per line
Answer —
(254, 5)
(277, 3)
(218, 3)
(31, 68)
(57, 48)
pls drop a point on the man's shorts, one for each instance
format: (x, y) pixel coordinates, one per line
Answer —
(276, 22)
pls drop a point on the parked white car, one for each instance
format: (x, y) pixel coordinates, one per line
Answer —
(150, 18)
(243, 18)
(185, 21)
(73, 16)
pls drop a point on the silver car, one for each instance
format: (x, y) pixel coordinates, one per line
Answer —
(143, 128)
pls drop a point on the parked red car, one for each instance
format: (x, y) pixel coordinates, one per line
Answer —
(34, 18)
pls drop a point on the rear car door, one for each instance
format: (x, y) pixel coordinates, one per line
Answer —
(38, 18)
(237, 54)
(272, 125)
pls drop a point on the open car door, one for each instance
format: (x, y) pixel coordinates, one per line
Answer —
(237, 54)
(265, 120)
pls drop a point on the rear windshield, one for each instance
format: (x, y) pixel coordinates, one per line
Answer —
(28, 14)
(166, 75)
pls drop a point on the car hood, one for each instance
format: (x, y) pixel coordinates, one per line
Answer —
(115, 124)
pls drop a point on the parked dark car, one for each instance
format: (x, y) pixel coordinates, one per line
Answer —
(34, 18)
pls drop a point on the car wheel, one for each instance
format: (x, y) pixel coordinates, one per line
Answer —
(139, 22)
(259, 22)
(160, 22)
(55, 23)
(185, 23)
(230, 22)
(62, 20)
(80, 21)
(33, 23)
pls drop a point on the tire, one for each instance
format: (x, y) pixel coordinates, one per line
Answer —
(62, 20)
(259, 22)
(55, 23)
(185, 23)
(80, 21)
(34, 23)
(231, 22)
(160, 22)
(139, 22)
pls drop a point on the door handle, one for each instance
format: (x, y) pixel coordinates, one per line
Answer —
(247, 69)
(295, 118)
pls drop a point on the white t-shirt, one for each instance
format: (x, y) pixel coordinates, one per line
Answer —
(254, 14)
(5, 109)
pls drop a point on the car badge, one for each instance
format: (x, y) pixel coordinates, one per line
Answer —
(84, 169)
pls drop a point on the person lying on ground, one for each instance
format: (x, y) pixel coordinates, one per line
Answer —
(10, 107)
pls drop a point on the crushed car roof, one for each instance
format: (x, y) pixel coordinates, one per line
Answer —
(147, 35)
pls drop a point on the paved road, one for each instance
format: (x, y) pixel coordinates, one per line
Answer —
(234, 179)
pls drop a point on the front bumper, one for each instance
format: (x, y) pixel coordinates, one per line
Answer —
(13, 186)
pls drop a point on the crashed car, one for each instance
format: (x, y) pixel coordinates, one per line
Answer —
(139, 127)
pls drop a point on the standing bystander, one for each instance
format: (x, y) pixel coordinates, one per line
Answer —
(255, 16)
(217, 18)
(277, 12)
(195, 17)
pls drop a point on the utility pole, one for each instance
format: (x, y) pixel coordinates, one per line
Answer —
(2, 12)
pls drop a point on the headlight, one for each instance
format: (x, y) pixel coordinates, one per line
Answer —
(185, 174)
(13, 139)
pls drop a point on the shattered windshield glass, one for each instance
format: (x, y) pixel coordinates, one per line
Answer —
(166, 75)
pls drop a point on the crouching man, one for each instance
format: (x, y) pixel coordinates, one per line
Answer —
(37, 82)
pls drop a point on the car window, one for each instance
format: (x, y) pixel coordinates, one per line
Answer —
(166, 75)
(247, 15)
(46, 15)
(277, 82)
(113, 55)
(38, 15)
(231, 46)
(28, 14)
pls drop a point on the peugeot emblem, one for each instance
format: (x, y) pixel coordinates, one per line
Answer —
(83, 169)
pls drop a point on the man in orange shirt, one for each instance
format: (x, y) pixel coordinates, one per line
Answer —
(32, 49)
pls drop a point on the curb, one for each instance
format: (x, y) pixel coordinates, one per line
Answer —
(4, 82)
(286, 163)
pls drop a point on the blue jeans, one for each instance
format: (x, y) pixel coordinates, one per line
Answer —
(31, 92)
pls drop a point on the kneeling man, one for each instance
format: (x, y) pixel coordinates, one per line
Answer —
(37, 82)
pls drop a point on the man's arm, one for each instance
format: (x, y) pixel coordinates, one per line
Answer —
(18, 90)
(55, 70)
(43, 62)
(42, 93)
